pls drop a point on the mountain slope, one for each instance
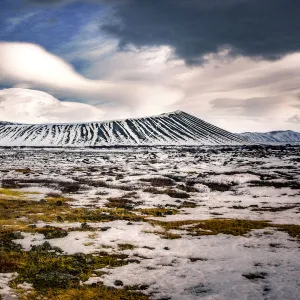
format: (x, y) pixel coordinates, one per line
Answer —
(176, 128)
(287, 136)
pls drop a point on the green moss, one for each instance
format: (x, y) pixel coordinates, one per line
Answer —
(232, 227)
(292, 230)
(215, 226)
(39, 265)
(13, 194)
(23, 171)
(188, 204)
(226, 226)
(165, 234)
(170, 236)
(56, 275)
(101, 215)
(9, 192)
(45, 210)
(58, 209)
(126, 247)
(158, 211)
(87, 293)
(51, 232)
(176, 194)
(119, 202)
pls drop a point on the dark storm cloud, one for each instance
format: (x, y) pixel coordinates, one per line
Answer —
(248, 107)
(45, 1)
(256, 28)
(50, 2)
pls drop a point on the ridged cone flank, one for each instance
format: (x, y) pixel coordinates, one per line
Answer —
(175, 128)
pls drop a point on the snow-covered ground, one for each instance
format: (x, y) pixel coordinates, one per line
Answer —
(183, 186)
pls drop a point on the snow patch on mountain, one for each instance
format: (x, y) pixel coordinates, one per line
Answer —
(176, 128)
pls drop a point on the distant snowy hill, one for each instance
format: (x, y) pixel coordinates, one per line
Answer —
(6, 123)
(176, 128)
(287, 136)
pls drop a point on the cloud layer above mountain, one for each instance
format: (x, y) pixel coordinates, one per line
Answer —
(30, 106)
(229, 62)
(29, 65)
(254, 28)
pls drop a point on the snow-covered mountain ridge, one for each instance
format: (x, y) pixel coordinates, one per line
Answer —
(175, 128)
(284, 136)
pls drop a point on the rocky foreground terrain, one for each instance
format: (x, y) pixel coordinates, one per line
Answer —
(150, 223)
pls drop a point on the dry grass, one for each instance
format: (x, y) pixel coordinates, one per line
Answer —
(226, 226)
(57, 209)
(158, 212)
(55, 275)
(86, 293)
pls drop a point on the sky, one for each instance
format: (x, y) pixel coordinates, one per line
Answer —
(233, 63)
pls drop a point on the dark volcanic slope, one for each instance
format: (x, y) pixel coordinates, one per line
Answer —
(176, 128)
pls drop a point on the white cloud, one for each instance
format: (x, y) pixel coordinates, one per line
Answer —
(294, 119)
(148, 81)
(264, 92)
(29, 64)
(30, 106)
